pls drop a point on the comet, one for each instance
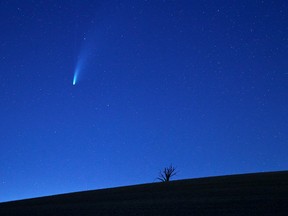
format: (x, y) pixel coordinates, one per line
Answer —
(75, 76)
(78, 68)
(84, 58)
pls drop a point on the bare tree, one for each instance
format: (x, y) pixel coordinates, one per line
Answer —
(167, 173)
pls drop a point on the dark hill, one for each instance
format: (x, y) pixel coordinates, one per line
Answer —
(249, 194)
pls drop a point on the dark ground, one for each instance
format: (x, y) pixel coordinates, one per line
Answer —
(250, 194)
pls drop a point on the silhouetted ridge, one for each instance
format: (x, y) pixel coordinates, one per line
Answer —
(247, 194)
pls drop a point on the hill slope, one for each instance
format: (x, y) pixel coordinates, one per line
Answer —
(248, 194)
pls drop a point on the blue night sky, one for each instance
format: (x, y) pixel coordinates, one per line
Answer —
(201, 85)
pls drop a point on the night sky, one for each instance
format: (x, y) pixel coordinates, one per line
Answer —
(201, 85)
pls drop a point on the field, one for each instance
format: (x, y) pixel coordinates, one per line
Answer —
(248, 194)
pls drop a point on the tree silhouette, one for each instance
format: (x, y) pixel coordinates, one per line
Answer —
(167, 173)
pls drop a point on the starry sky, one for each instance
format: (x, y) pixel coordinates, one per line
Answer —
(201, 85)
